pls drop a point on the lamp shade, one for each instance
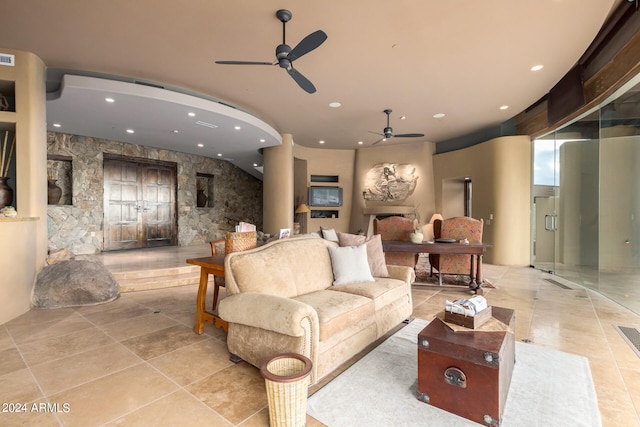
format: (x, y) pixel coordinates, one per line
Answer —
(302, 208)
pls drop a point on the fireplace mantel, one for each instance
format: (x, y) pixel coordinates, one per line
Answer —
(388, 210)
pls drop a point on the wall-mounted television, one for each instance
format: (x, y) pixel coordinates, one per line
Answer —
(325, 196)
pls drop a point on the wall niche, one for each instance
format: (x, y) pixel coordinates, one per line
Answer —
(204, 190)
(59, 180)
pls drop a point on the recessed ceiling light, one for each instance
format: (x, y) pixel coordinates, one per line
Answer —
(504, 107)
(237, 127)
(255, 165)
(219, 154)
(191, 114)
(262, 140)
(537, 67)
(334, 104)
(56, 125)
(131, 131)
(201, 145)
(403, 117)
(321, 142)
(110, 100)
(438, 115)
(360, 143)
(175, 131)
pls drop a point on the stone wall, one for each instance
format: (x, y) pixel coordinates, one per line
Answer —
(79, 227)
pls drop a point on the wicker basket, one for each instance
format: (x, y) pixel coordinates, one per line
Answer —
(239, 241)
(287, 378)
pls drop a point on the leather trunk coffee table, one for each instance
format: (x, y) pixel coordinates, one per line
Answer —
(468, 372)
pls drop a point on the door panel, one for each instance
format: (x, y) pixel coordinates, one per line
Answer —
(139, 205)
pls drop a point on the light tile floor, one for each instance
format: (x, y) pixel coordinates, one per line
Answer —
(136, 361)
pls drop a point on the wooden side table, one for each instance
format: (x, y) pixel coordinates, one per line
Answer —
(208, 265)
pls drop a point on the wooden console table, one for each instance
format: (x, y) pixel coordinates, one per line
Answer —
(474, 250)
(208, 265)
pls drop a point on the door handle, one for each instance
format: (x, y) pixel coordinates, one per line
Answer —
(550, 222)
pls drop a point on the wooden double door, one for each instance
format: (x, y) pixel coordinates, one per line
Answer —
(139, 203)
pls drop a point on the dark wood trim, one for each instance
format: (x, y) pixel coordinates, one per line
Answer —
(112, 156)
(611, 60)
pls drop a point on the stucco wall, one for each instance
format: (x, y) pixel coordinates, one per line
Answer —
(79, 227)
(500, 170)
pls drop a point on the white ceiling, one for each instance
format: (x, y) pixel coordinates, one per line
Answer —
(463, 58)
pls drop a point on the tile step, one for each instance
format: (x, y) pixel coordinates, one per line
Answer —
(157, 282)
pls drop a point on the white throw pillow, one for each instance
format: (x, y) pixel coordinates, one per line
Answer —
(350, 264)
(329, 234)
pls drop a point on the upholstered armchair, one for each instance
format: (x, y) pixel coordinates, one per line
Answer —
(458, 228)
(397, 228)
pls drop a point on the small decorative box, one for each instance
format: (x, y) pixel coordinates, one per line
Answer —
(471, 322)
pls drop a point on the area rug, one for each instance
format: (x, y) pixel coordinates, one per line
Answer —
(548, 388)
(424, 277)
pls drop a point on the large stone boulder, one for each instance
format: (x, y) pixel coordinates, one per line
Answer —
(72, 283)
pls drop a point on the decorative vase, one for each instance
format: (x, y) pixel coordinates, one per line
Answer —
(416, 237)
(6, 192)
(54, 192)
(201, 199)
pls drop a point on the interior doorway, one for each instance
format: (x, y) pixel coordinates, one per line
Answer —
(139, 203)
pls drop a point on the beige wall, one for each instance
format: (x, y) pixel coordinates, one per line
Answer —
(500, 172)
(23, 244)
(419, 155)
(327, 162)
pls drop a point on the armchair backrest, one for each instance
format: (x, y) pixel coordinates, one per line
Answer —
(394, 227)
(461, 227)
(397, 228)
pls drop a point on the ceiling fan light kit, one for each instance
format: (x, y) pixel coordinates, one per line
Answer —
(285, 55)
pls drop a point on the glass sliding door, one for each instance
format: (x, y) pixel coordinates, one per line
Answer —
(545, 201)
(619, 238)
(586, 199)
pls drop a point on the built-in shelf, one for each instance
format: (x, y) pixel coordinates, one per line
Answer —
(324, 213)
(325, 178)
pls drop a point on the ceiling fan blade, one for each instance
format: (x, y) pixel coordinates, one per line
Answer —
(409, 135)
(379, 141)
(302, 81)
(377, 133)
(244, 63)
(307, 44)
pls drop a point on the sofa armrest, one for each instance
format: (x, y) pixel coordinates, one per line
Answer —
(406, 274)
(270, 312)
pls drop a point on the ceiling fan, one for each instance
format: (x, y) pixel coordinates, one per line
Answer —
(285, 55)
(388, 132)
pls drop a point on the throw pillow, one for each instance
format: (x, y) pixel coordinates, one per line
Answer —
(329, 234)
(350, 265)
(375, 253)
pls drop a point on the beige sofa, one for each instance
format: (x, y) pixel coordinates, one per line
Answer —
(281, 298)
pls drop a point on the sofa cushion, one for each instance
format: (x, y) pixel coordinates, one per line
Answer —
(382, 292)
(350, 265)
(338, 310)
(375, 253)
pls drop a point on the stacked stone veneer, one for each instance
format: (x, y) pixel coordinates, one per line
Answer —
(79, 227)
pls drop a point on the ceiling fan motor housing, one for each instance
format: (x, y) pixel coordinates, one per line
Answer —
(282, 51)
